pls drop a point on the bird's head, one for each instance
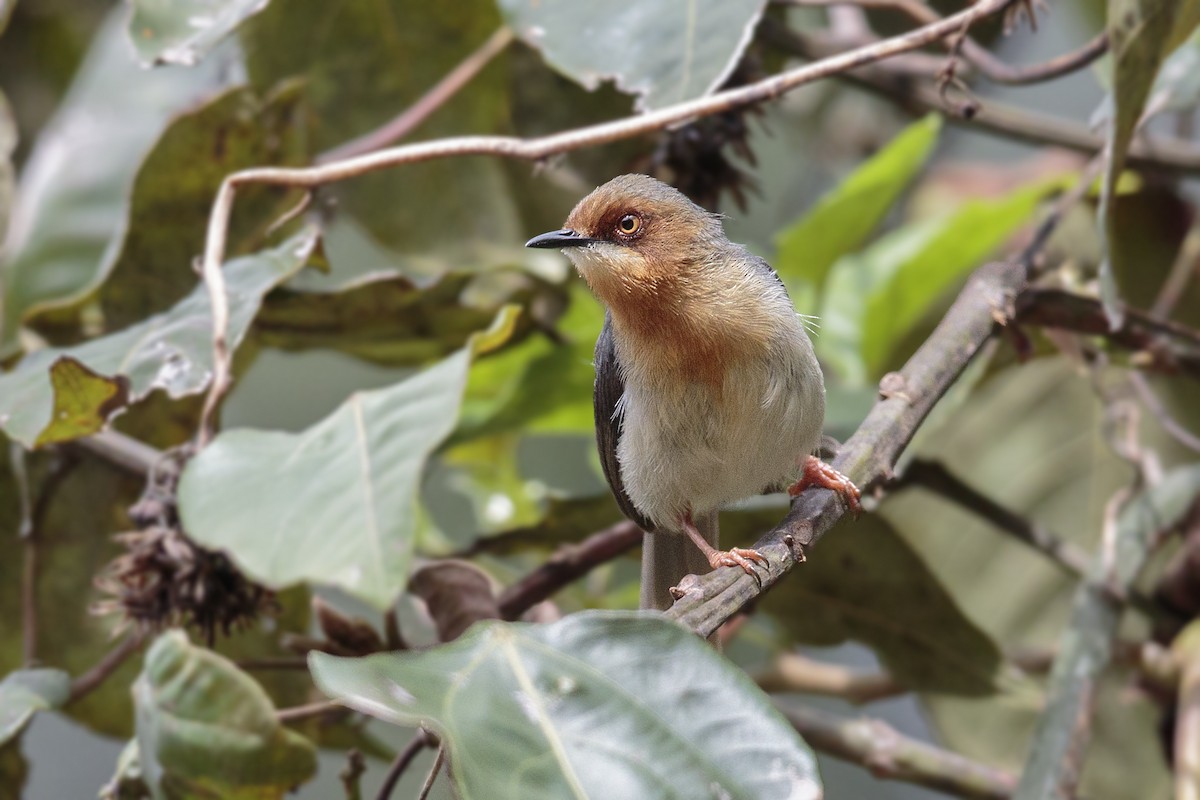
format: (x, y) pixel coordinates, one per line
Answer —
(636, 236)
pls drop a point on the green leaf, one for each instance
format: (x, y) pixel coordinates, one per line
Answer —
(598, 704)
(174, 32)
(875, 297)
(170, 351)
(844, 217)
(83, 401)
(26, 691)
(206, 729)
(661, 51)
(1142, 33)
(868, 585)
(336, 503)
(69, 210)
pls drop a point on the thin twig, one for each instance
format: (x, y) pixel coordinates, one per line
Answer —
(320, 708)
(936, 478)
(1158, 344)
(403, 124)
(110, 663)
(1185, 267)
(890, 755)
(280, 663)
(1161, 415)
(569, 563)
(352, 773)
(131, 455)
(433, 773)
(536, 149)
(792, 672)
(907, 82)
(982, 59)
(403, 759)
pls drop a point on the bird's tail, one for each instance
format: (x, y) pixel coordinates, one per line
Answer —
(667, 556)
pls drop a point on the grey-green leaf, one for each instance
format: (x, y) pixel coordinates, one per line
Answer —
(866, 584)
(598, 704)
(844, 217)
(207, 729)
(170, 351)
(336, 503)
(183, 31)
(663, 51)
(69, 207)
(26, 691)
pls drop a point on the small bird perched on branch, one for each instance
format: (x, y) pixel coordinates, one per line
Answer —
(707, 389)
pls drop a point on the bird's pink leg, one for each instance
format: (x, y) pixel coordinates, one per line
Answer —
(818, 473)
(733, 557)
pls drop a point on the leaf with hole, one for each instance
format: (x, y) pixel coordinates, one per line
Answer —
(598, 704)
(184, 31)
(171, 351)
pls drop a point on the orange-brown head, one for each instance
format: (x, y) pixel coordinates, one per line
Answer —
(677, 288)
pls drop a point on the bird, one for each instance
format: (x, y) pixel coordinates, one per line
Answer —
(707, 389)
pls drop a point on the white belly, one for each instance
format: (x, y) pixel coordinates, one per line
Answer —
(691, 448)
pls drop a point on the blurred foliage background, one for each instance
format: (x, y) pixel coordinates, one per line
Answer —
(413, 386)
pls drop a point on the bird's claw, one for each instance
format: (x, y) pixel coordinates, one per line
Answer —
(818, 473)
(738, 557)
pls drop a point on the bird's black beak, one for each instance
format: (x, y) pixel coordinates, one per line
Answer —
(560, 238)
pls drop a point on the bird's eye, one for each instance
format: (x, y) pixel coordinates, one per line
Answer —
(629, 224)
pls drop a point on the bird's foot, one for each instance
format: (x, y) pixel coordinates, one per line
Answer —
(737, 557)
(818, 473)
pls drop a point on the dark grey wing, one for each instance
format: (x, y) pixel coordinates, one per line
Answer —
(606, 394)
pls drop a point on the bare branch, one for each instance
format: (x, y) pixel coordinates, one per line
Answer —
(403, 124)
(991, 67)
(535, 149)
(792, 672)
(568, 564)
(404, 758)
(112, 661)
(908, 82)
(1158, 344)
(320, 708)
(1171, 425)
(936, 478)
(890, 755)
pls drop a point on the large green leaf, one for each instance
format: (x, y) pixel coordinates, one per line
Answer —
(598, 704)
(170, 351)
(24, 692)
(845, 216)
(662, 51)
(174, 32)
(336, 503)
(865, 583)
(1142, 33)
(75, 186)
(873, 298)
(206, 729)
